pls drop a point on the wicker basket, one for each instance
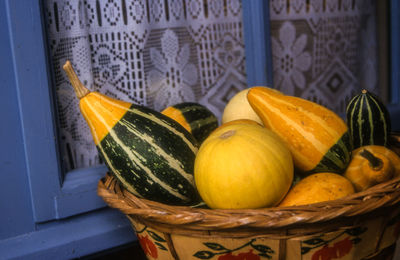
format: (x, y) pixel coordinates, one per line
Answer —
(364, 225)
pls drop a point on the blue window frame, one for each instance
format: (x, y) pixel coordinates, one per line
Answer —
(257, 42)
(53, 196)
(35, 198)
(395, 51)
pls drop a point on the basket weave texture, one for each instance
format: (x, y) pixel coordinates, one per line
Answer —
(364, 225)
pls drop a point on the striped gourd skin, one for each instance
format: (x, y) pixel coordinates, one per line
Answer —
(368, 120)
(149, 153)
(316, 136)
(337, 158)
(196, 118)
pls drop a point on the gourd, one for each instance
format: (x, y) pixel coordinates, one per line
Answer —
(196, 118)
(243, 166)
(238, 121)
(238, 107)
(150, 154)
(316, 136)
(371, 165)
(368, 120)
(318, 187)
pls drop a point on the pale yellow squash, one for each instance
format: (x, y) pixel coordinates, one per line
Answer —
(243, 165)
(239, 108)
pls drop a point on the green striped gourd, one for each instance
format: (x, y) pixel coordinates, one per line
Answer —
(368, 120)
(316, 136)
(149, 153)
(196, 118)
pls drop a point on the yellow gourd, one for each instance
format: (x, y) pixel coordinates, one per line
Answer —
(243, 165)
(318, 187)
(372, 164)
(238, 122)
(317, 137)
(239, 108)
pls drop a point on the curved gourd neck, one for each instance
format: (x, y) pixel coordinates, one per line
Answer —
(100, 111)
(375, 163)
(80, 89)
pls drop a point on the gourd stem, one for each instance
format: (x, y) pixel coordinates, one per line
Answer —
(80, 89)
(374, 161)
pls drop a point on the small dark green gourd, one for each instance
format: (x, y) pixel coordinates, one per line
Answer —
(196, 118)
(368, 120)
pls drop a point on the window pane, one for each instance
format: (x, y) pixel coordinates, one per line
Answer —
(325, 51)
(153, 53)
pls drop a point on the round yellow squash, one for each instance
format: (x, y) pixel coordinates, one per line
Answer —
(243, 166)
(239, 108)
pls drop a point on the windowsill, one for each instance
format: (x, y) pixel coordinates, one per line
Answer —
(71, 238)
(79, 192)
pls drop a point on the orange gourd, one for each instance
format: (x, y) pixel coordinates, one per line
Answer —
(317, 137)
(372, 164)
(318, 187)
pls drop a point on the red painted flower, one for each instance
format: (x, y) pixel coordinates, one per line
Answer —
(325, 253)
(148, 246)
(242, 256)
(343, 247)
(338, 250)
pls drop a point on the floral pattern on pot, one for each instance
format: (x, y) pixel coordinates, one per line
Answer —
(335, 247)
(151, 242)
(256, 251)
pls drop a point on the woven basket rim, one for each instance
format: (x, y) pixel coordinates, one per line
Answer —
(380, 196)
(375, 199)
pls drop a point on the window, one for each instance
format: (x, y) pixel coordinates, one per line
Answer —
(52, 196)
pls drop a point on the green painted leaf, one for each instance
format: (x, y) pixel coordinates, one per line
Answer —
(356, 231)
(204, 254)
(305, 250)
(215, 246)
(156, 237)
(356, 240)
(263, 248)
(314, 241)
(161, 246)
(265, 255)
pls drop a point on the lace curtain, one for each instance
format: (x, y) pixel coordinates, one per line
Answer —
(161, 52)
(149, 52)
(324, 50)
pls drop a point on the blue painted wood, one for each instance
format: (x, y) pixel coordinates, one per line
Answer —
(35, 105)
(78, 193)
(394, 111)
(394, 106)
(51, 197)
(15, 205)
(70, 239)
(395, 50)
(256, 28)
(31, 189)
